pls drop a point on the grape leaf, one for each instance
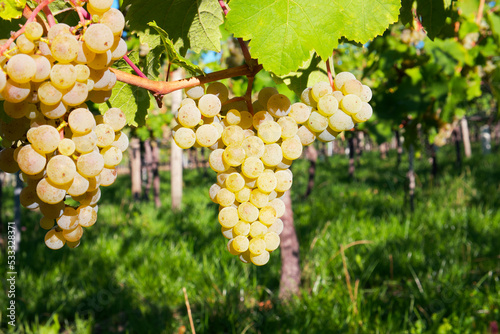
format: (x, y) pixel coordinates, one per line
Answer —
(172, 55)
(284, 32)
(190, 24)
(11, 9)
(405, 13)
(132, 100)
(313, 71)
(433, 16)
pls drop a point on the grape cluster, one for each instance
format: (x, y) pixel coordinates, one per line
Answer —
(62, 149)
(252, 154)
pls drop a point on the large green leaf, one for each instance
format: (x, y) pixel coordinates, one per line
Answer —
(190, 24)
(284, 32)
(433, 16)
(172, 55)
(11, 9)
(132, 100)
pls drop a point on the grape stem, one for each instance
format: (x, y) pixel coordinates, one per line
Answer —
(32, 17)
(134, 67)
(161, 87)
(329, 71)
(50, 17)
(480, 11)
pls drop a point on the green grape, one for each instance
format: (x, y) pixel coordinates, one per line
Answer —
(257, 229)
(112, 156)
(214, 189)
(101, 60)
(85, 143)
(103, 79)
(341, 78)
(228, 217)
(3, 80)
(307, 98)
(243, 195)
(7, 162)
(24, 44)
(217, 162)
(225, 197)
(288, 126)
(206, 135)
(232, 134)
(317, 122)
(234, 155)
(33, 31)
(300, 112)
(89, 198)
(351, 104)
(209, 105)
(21, 68)
(59, 28)
(272, 241)
(52, 211)
(100, 6)
(84, 54)
(66, 147)
(49, 192)
(76, 95)
(115, 118)
(265, 94)
(82, 73)
(327, 135)
(99, 38)
(121, 141)
(260, 117)
(90, 164)
(279, 207)
(30, 161)
(257, 246)
(54, 111)
(64, 48)
(240, 243)
(189, 116)
(94, 182)
(258, 198)
(49, 94)
(218, 89)
(73, 235)
(108, 176)
(43, 68)
(105, 135)
(227, 233)
(63, 76)
(81, 121)
(68, 220)
(235, 182)
(253, 146)
(292, 148)
(28, 197)
(100, 96)
(252, 167)
(44, 138)
(364, 114)
(366, 94)
(276, 227)
(46, 223)
(18, 110)
(248, 212)
(195, 92)
(279, 105)
(340, 121)
(352, 86)
(266, 181)
(119, 49)
(87, 215)
(241, 228)
(267, 215)
(16, 92)
(269, 132)
(54, 239)
(79, 186)
(61, 169)
(187, 101)
(272, 155)
(261, 259)
(233, 117)
(320, 89)
(185, 137)
(284, 180)
(246, 121)
(328, 105)
(114, 19)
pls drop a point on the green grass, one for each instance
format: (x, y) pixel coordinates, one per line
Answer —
(128, 273)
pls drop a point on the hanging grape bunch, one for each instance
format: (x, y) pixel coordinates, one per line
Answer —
(62, 149)
(252, 154)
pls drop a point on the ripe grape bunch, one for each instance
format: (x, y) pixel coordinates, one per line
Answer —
(252, 154)
(62, 149)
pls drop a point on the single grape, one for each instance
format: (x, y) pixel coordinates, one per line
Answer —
(278, 105)
(364, 114)
(105, 135)
(206, 135)
(101, 6)
(57, 29)
(114, 20)
(16, 92)
(284, 180)
(232, 134)
(341, 78)
(279, 207)
(90, 164)
(257, 246)
(43, 68)
(266, 181)
(98, 38)
(265, 94)
(115, 118)
(317, 122)
(225, 198)
(76, 95)
(85, 143)
(228, 217)
(44, 138)
(21, 68)
(351, 104)
(240, 243)
(189, 116)
(54, 239)
(121, 141)
(79, 185)
(49, 94)
(185, 137)
(61, 169)
(328, 105)
(87, 215)
(24, 44)
(64, 48)
(234, 155)
(269, 132)
(258, 198)
(272, 240)
(272, 155)
(73, 235)
(33, 31)
(54, 111)
(46, 223)
(112, 156)
(68, 220)
(49, 192)
(218, 89)
(340, 121)
(195, 92)
(209, 105)
(253, 146)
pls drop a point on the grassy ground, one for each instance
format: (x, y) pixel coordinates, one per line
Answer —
(436, 271)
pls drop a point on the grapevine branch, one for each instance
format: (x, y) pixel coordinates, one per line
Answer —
(161, 87)
(20, 31)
